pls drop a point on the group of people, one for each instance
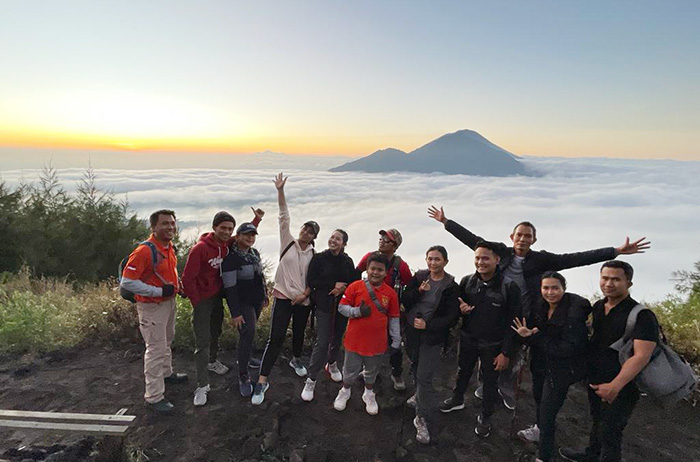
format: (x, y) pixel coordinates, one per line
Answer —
(513, 308)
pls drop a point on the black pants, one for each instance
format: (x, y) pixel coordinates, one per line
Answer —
(207, 318)
(246, 337)
(425, 360)
(469, 354)
(549, 392)
(282, 312)
(609, 420)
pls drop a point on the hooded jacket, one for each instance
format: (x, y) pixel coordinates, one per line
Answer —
(201, 277)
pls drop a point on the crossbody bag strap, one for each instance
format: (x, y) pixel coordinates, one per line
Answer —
(286, 249)
(373, 296)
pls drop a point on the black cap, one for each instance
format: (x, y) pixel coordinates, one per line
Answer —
(246, 228)
(313, 225)
(222, 216)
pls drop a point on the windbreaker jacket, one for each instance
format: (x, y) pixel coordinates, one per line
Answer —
(244, 284)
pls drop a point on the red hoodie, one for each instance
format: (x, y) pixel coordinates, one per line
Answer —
(201, 277)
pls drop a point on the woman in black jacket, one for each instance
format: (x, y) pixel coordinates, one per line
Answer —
(244, 287)
(432, 307)
(557, 336)
(329, 274)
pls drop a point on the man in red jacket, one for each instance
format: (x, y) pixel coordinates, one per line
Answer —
(202, 283)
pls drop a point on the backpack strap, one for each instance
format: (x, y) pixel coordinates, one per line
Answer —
(154, 259)
(629, 328)
(373, 296)
(286, 249)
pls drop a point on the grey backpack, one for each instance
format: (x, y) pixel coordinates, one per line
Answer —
(667, 378)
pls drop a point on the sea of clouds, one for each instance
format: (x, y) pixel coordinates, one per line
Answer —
(576, 204)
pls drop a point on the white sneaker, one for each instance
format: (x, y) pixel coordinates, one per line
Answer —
(422, 435)
(307, 394)
(200, 395)
(370, 400)
(217, 367)
(412, 401)
(334, 372)
(341, 401)
(298, 367)
(530, 434)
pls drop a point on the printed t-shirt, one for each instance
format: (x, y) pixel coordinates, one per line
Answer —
(368, 336)
(140, 267)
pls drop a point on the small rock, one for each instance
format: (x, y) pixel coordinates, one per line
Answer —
(401, 452)
(269, 441)
(297, 455)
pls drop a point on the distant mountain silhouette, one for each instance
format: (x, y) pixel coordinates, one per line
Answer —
(463, 152)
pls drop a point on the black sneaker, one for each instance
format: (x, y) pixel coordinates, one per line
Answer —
(254, 363)
(483, 426)
(162, 407)
(176, 377)
(577, 455)
(453, 403)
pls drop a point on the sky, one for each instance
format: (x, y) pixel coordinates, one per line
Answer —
(543, 78)
(577, 204)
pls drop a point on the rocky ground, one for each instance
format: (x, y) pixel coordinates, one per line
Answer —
(284, 428)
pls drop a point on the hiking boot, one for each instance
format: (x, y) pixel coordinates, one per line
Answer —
(479, 392)
(422, 435)
(530, 434)
(453, 403)
(254, 363)
(333, 372)
(577, 455)
(483, 426)
(341, 401)
(175, 378)
(298, 367)
(161, 407)
(259, 393)
(399, 384)
(245, 387)
(307, 394)
(217, 367)
(200, 395)
(370, 400)
(508, 401)
(412, 401)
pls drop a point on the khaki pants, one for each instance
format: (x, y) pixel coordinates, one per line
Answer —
(157, 325)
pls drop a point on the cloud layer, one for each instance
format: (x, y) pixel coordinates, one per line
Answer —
(577, 204)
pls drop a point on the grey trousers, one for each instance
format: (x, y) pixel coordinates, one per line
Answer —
(425, 360)
(352, 366)
(207, 318)
(330, 327)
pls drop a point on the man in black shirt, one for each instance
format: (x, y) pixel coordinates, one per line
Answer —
(613, 393)
(488, 304)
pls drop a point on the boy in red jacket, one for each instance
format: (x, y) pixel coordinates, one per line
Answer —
(372, 306)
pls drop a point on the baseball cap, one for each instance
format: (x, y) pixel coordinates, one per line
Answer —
(313, 225)
(393, 234)
(246, 228)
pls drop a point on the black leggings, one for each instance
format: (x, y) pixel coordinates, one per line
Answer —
(282, 312)
(549, 392)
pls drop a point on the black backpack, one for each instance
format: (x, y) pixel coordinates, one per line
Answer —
(127, 294)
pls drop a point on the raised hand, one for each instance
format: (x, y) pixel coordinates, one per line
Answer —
(629, 248)
(259, 213)
(280, 181)
(437, 214)
(521, 328)
(464, 307)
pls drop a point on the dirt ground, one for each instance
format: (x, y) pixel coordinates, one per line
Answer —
(284, 428)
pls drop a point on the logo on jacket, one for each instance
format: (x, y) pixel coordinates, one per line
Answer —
(215, 262)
